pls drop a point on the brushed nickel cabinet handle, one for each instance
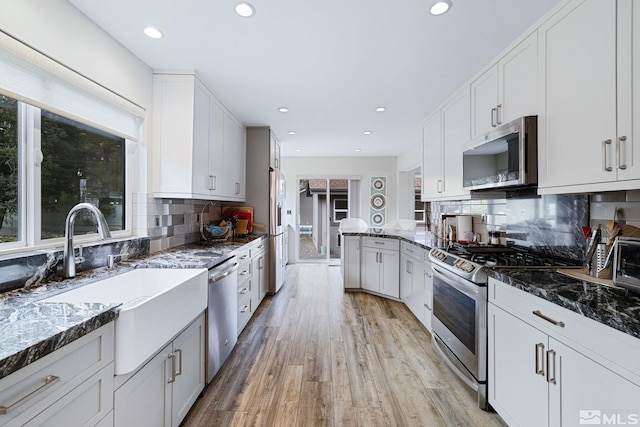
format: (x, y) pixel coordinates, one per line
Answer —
(494, 112)
(179, 371)
(49, 381)
(621, 161)
(605, 166)
(244, 309)
(539, 352)
(499, 114)
(439, 186)
(551, 355)
(172, 378)
(243, 291)
(548, 319)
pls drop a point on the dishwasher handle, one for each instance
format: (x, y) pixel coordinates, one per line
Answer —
(221, 271)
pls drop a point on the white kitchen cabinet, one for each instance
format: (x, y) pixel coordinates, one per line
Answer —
(547, 364)
(71, 386)
(432, 173)
(507, 90)
(164, 389)
(588, 91)
(260, 272)
(350, 263)
(380, 268)
(198, 147)
(274, 152)
(234, 158)
(444, 133)
(416, 282)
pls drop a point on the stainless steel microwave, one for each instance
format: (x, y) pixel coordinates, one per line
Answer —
(626, 263)
(504, 157)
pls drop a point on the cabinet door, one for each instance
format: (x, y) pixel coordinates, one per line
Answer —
(202, 140)
(259, 276)
(518, 81)
(406, 278)
(583, 387)
(274, 152)
(484, 102)
(216, 150)
(351, 262)
(145, 399)
(455, 132)
(389, 273)
(518, 387)
(428, 294)
(234, 158)
(628, 162)
(432, 158)
(370, 273)
(189, 350)
(577, 66)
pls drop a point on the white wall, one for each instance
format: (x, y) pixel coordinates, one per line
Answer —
(321, 167)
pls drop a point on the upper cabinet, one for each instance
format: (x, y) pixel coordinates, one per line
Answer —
(199, 148)
(507, 90)
(444, 133)
(589, 85)
(274, 152)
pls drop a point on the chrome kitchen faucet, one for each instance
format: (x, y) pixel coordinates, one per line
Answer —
(69, 260)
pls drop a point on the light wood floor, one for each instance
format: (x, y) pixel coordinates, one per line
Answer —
(314, 355)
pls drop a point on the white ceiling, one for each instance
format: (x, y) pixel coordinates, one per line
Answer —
(331, 62)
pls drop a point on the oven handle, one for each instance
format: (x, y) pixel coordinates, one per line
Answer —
(468, 288)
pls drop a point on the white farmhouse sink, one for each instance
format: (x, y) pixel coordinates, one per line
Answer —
(157, 304)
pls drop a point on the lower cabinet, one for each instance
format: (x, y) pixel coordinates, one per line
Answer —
(260, 273)
(350, 262)
(164, 389)
(72, 386)
(380, 266)
(416, 282)
(541, 375)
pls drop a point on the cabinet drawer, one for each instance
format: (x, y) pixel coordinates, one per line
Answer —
(244, 289)
(85, 405)
(244, 311)
(618, 351)
(413, 251)
(72, 365)
(244, 271)
(243, 255)
(381, 243)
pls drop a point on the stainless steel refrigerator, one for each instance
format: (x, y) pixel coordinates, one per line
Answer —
(266, 193)
(276, 230)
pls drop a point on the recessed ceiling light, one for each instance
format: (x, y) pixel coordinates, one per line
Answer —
(153, 32)
(298, 150)
(440, 7)
(245, 9)
(283, 109)
(367, 132)
(292, 132)
(381, 109)
(357, 149)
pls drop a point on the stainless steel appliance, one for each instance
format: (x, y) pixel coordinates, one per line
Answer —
(266, 193)
(222, 314)
(276, 230)
(504, 157)
(626, 263)
(459, 317)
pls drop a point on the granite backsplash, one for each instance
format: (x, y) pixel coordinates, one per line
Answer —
(32, 268)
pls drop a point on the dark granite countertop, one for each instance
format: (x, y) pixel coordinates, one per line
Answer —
(614, 307)
(425, 240)
(31, 329)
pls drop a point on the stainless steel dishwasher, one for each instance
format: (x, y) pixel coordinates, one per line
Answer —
(222, 314)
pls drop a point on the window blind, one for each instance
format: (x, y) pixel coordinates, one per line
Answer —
(30, 76)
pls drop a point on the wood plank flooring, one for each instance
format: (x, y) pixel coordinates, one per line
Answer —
(314, 355)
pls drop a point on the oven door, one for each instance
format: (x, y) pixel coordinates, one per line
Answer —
(460, 319)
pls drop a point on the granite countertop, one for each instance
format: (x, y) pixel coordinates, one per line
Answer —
(424, 239)
(31, 329)
(614, 307)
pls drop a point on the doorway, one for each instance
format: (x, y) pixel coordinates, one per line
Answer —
(322, 203)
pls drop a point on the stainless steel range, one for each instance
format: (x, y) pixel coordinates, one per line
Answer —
(459, 317)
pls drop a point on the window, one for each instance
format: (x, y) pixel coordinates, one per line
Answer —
(79, 164)
(340, 209)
